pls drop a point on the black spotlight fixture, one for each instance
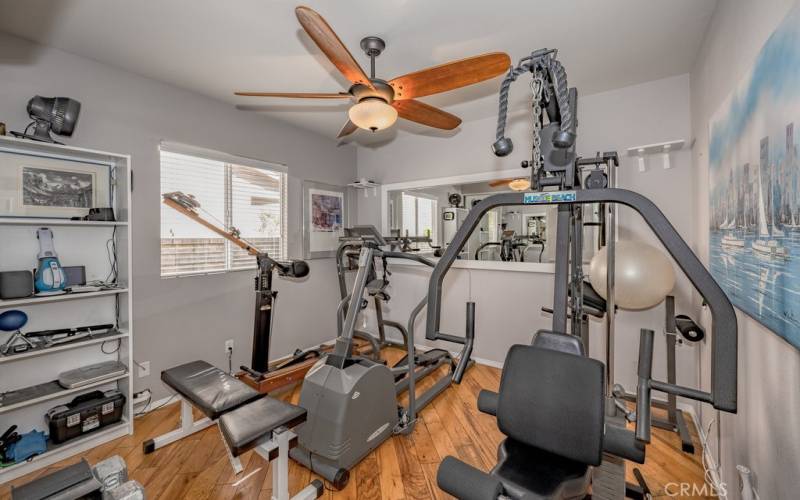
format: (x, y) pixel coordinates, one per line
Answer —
(51, 114)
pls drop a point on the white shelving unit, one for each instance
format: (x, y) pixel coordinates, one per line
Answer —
(32, 221)
(7, 304)
(77, 243)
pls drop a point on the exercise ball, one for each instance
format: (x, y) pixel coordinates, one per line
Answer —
(643, 275)
(11, 321)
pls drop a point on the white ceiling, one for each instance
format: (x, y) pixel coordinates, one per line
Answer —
(215, 47)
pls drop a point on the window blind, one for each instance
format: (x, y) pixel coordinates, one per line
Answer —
(249, 198)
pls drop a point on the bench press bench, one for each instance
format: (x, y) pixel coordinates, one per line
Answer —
(246, 419)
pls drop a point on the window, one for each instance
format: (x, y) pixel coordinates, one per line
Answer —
(233, 193)
(419, 216)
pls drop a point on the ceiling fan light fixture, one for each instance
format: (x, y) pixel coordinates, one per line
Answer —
(373, 114)
(520, 184)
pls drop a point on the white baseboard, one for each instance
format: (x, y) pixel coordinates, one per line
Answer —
(480, 361)
(157, 405)
(488, 362)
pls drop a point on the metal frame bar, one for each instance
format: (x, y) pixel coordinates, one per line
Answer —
(645, 372)
(610, 239)
(188, 426)
(724, 326)
(675, 421)
(576, 276)
(560, 286)
(275, 448)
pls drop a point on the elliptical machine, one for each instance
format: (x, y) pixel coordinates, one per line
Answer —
(352, 400)
(377, 283)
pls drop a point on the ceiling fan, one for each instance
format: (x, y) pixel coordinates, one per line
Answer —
(379, 102)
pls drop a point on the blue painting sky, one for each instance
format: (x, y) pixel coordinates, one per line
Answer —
(775, 75)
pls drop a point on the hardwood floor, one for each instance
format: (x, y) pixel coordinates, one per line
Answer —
(404, 467)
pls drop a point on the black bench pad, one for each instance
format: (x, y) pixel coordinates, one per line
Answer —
(208, 388)
(244, 427)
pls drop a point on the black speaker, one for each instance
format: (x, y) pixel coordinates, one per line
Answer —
(76, 275)
(16, 284)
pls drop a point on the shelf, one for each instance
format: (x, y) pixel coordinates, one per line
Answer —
(49, 149)
(57, 451)
(4, 304)
(97, 339)
(60, 392)
(33, 221)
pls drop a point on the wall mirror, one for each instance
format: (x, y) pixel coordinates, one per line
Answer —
(513, 234)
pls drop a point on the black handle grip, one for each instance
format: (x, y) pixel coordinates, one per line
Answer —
(293, 268)
(7, 433)
(85, 397)
(253, 373)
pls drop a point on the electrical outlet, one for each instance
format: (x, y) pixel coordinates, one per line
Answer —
(141, 397)
(228, 346)
(144, 369)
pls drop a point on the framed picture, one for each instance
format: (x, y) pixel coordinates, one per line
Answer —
(324, 219)
(32, 186)
(754, 201)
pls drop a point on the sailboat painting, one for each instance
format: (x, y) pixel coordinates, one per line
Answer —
(754, 212)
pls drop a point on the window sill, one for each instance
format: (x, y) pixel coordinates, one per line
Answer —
(206, 273)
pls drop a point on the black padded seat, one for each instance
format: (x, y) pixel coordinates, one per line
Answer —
(556, 341)
(208, 388)
(551, 407)
(526, 471)
(246, 426)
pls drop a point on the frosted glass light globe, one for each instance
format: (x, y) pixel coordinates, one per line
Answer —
(520, 184)
(373, 114)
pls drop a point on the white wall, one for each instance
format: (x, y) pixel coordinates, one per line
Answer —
(179, 320)
(508, 303)
(765, 434)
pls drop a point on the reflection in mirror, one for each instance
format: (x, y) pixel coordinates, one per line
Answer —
(524, 233)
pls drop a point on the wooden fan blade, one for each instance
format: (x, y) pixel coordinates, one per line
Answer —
(499, 182)
(348, 129)
(450, 75)
(297, 95)
(418, 111)
(325, 38)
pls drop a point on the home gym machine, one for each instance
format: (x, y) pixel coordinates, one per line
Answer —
(555, 404)
(352, 401)
(260, 375)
